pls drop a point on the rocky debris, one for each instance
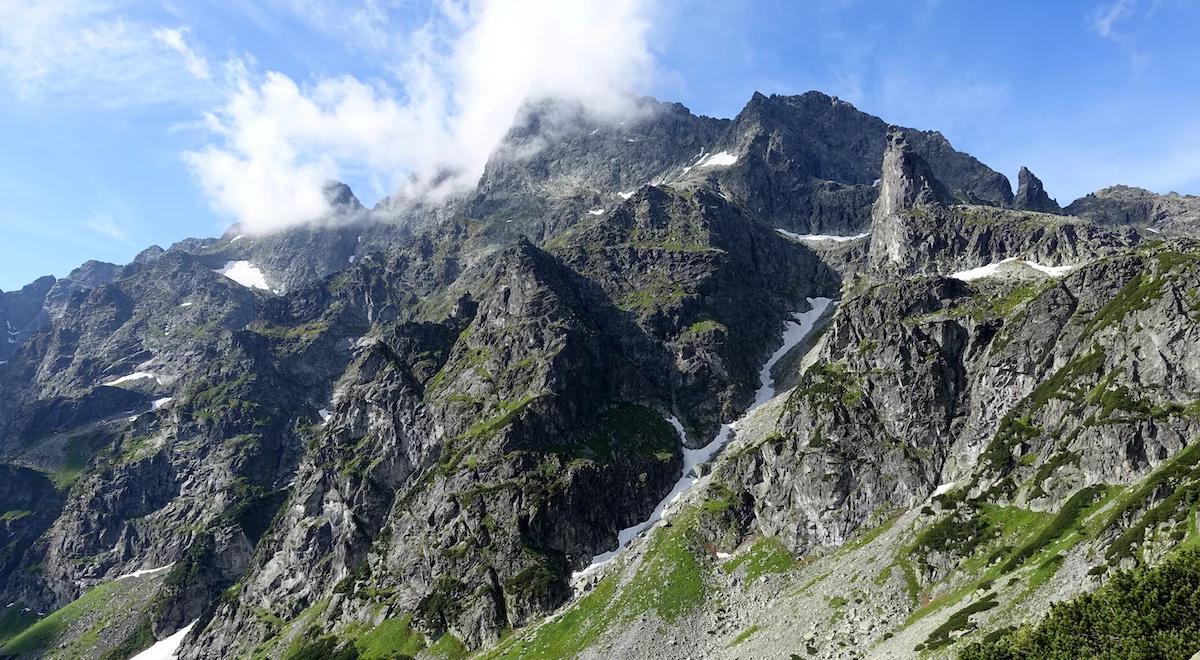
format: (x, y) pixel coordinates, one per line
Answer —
(1031, 196)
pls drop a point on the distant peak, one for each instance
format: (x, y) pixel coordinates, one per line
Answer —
(339, 195)
(1031, 194)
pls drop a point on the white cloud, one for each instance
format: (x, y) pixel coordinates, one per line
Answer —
(89, 53)
(464, 76)
(173, 38)
(107, 223)
(1104, 17)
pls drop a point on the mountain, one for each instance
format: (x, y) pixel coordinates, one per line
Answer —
(799, 383)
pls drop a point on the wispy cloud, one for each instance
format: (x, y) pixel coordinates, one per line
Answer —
(1104, 17)
(91, 54)
(107, 223)
(1110, 21)
(173, 38)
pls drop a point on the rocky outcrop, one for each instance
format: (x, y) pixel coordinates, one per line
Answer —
(1031, 196)
(1128, 206)
(915, 229)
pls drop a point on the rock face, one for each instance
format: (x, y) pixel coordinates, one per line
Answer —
(436, 414)
(1031, 196)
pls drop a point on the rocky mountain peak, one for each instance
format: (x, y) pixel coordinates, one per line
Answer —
(907, 180)
(340, 197)
(1031, 195)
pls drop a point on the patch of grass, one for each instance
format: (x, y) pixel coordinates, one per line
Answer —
(767, 555)
(448, 646)
(46, 633)
(77, 453)
(744, 635)
(391, 637)
(13, 515)
(1138, 294)
(702, 327)
(669, 583)
(1062, 523)
(13, 620)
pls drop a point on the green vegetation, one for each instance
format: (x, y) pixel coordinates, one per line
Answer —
(1061, 524)
(305, 332)
(625, 427)
(13, 620)
(390, 638)
(655, 294)
(97, 603)
(13, 515)
(744, 635)
(826, 385)
(141, 638)
(669, 583)
(957, 534)
(960, 620)
(448, 646)
(77, 452)
(1152, 613)
(703, 327)
(1180, 478)
(223, 400)
(767, 555)
(1136, 295)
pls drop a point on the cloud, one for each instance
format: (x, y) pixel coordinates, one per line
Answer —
(456, 89)
(107, 223)
(1104, 17)
(173, 38)
(88, 53)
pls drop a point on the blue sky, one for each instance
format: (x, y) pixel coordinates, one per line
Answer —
(127, 124)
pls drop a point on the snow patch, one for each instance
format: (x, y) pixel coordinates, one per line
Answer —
(794, 332)
(596, 212)
(160, 403)
(237, 238)
(145, 571)
(1153, 230)
(245, 273)
(724, 555)
(626, 195)
(325, 414)
(351, 258)
(943, 489)
(991, 269)
(131, 378)
(186, 304)
(821, 238)
(719, 159)
(166, 649)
